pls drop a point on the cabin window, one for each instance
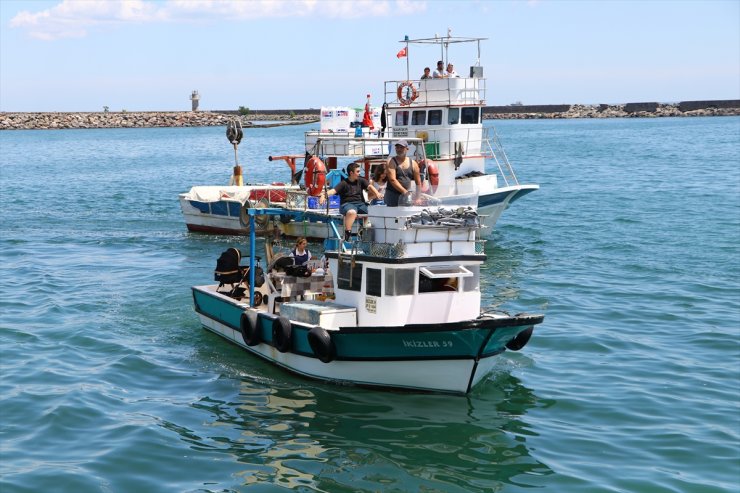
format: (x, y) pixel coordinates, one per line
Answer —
(453, 116)
(402, 118)
(439, 278)
(472, 283)
(418, 117)
(373, 282)
(349, 277)
(399, 281)
(435, 117)
(470, 115)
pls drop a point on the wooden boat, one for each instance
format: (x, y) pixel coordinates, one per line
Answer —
(399, 308)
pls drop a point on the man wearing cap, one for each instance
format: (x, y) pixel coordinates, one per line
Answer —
(400, 171)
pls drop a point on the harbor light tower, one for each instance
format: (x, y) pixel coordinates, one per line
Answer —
(195, 98)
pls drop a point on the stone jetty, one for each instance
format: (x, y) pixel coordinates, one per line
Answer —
(125, 119)
(131, 119)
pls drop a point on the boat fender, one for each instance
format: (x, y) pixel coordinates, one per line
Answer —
(248, 324)
(433, 172)
(315, 176)
(521, 339)
(405, 98)
(321, 344)
(281, 334)
(243, 216)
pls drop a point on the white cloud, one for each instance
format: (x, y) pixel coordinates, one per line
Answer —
(74, 18)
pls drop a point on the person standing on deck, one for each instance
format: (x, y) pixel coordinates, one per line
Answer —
(400, 171)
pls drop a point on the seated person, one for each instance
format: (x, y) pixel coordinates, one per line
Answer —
(450, 72)
(300, 253)
(426, 75)
(380, 182)
(351, 198)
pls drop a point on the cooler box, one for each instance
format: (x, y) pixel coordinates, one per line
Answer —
(313, 203)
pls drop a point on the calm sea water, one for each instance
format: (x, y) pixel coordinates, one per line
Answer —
(109, 384)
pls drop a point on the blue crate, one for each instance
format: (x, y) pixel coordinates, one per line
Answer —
(313, 203)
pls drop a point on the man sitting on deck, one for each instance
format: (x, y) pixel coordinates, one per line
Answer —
(350, 195)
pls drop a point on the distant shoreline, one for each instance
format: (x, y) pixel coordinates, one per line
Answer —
(151, 119)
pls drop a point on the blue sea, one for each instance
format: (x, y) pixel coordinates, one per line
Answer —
(631, 384)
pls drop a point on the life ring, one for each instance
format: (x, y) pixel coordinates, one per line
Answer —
(521, 339)
(248, 324)
(315, 176)
(321, 344)
(243, 216)
(281, 334)
(405, 101)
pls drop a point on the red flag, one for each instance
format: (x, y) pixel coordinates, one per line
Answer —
(401, 53)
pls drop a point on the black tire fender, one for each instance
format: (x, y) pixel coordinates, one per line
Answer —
(322, 344)
(282, 333)
(249, 324)
(521, 339)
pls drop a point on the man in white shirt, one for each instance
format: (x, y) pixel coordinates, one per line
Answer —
(439, 72)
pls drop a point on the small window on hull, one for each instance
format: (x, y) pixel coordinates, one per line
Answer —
(470, 115)
(399, 281)
(349, 276)
(453, 116)
(402, 118)
(435, 117)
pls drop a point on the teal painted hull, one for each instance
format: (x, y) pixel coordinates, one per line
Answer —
(446, 357)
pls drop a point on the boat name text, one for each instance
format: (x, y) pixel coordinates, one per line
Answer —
(426, 344)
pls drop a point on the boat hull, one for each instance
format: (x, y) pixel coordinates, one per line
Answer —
(492, 205)
(449, 358)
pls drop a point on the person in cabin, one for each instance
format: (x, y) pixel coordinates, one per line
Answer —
(400, 171)
(380, 182)
(427, 74)
(439, 73)
(300, 253)
(350, 195)
(450, 72)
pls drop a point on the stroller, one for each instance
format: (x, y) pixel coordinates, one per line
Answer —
(228, 271)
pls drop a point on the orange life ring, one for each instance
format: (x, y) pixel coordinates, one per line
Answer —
(315, 176)
(405, 101)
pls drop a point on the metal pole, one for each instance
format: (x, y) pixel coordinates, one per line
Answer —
(252, 246)
(408, 72)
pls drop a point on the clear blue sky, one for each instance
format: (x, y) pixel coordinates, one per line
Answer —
(82, 55)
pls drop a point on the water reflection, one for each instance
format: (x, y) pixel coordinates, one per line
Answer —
(330, 438)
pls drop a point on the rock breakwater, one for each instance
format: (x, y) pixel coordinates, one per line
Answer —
(629, 110)
(34, 121)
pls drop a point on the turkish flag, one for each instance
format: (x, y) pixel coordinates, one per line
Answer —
(401, 53)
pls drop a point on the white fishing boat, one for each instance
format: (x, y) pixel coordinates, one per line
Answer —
(442, 119)
(222, 209)
(399, 308)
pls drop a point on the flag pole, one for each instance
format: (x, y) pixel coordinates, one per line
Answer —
(408, 72)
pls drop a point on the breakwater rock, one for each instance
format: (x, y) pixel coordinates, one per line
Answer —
(628, 110)
(124, 119)
(33, 121)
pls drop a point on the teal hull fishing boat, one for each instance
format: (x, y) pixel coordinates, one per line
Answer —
(398, 308)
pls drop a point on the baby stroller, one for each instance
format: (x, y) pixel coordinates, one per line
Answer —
(228, 271)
